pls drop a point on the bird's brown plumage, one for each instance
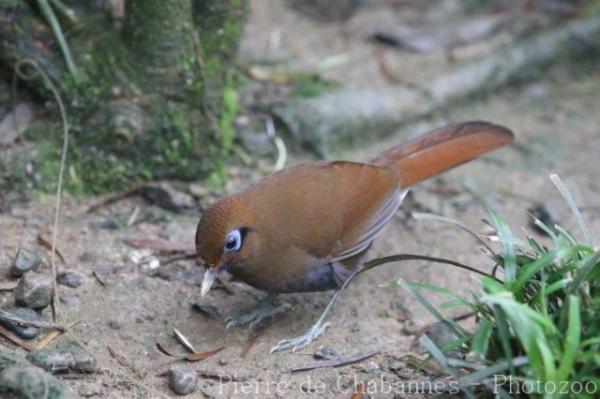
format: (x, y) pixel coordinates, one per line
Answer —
(308, 225)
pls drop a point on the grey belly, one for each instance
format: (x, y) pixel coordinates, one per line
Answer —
(329, 276)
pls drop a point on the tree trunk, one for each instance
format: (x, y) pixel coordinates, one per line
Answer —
(153, 99)
(159, 35)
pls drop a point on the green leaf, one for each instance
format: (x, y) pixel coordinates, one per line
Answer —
(458, 330)
(441, 358)
(403, 257)
(508, 249)
(584, 271)
(432, 216)
(481, 338)
(573, 207)
(572, 339)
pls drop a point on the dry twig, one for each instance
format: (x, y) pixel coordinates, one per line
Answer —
(120, 359)
(48, 245)
(254, 337)
(338, 362)
(111, 198)
(99, 279)
(14, 339)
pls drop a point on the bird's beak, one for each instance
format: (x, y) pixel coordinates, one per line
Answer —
(209, 278)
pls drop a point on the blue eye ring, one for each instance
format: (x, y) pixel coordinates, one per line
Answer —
(233, 242)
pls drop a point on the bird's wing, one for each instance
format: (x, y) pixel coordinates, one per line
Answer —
(365, 197)
(332, 210)
(359, 240)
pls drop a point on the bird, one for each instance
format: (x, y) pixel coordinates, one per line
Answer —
(307, 228)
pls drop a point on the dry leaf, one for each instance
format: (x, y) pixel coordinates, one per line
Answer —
(196, 357)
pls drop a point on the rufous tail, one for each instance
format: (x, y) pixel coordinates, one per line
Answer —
(442, 149)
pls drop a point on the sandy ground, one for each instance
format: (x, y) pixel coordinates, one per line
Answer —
(556, 124)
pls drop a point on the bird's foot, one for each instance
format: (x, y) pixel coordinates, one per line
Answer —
(302, 341)
(264, 310)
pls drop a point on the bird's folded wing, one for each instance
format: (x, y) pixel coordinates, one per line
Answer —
(367, 200)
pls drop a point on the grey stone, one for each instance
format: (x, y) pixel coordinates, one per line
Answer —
(86, 391)
(164, 195)
(183, 381)
(70, 299)
(52, 361)
(70, 279)
(34, 291)
(64, 357)
(24, 261)
(115, 325)
(8, 359)
(207, 310)
(324, 353)
(31, 382)
(20, 379)
(441, 335)
(27, 314)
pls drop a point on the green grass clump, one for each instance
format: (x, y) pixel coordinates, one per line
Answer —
(537, 317)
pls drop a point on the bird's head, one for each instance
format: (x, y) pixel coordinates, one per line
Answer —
(224, 239)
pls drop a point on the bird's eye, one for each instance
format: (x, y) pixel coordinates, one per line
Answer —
(233, 242)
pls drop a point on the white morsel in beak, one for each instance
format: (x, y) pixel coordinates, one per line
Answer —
(209, 279)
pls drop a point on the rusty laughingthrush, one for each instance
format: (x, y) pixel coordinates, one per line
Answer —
(307, 227)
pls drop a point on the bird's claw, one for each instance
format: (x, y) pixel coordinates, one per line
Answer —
(256, 316)
(302, 341)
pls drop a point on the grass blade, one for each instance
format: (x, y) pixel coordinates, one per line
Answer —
(566, 194)
(439, 356)
(572, 339)
(584, 272)
(439, 218)
(402, 257)
(497, 368)
(458, 330)
(481, 338)
(527, 272)
(508, 249)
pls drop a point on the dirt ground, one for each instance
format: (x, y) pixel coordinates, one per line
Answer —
(556, 122)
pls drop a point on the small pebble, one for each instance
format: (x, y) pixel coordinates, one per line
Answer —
(324, 353)
(65, 356)
(34, 291)
(307, 387)
(164, 195)
(115, 325)
(86, 391)
(70, 299)
(70, 279)
(400, 310)
(89, 257)
(27, 314)
(410, 328)
(183, 381)
(207, 310)
(24, 261)
(108, 224)
(442, 335)
(370, 367)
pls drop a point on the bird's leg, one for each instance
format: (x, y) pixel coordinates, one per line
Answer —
(312, 333)
(266, 308)
(318, 328)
